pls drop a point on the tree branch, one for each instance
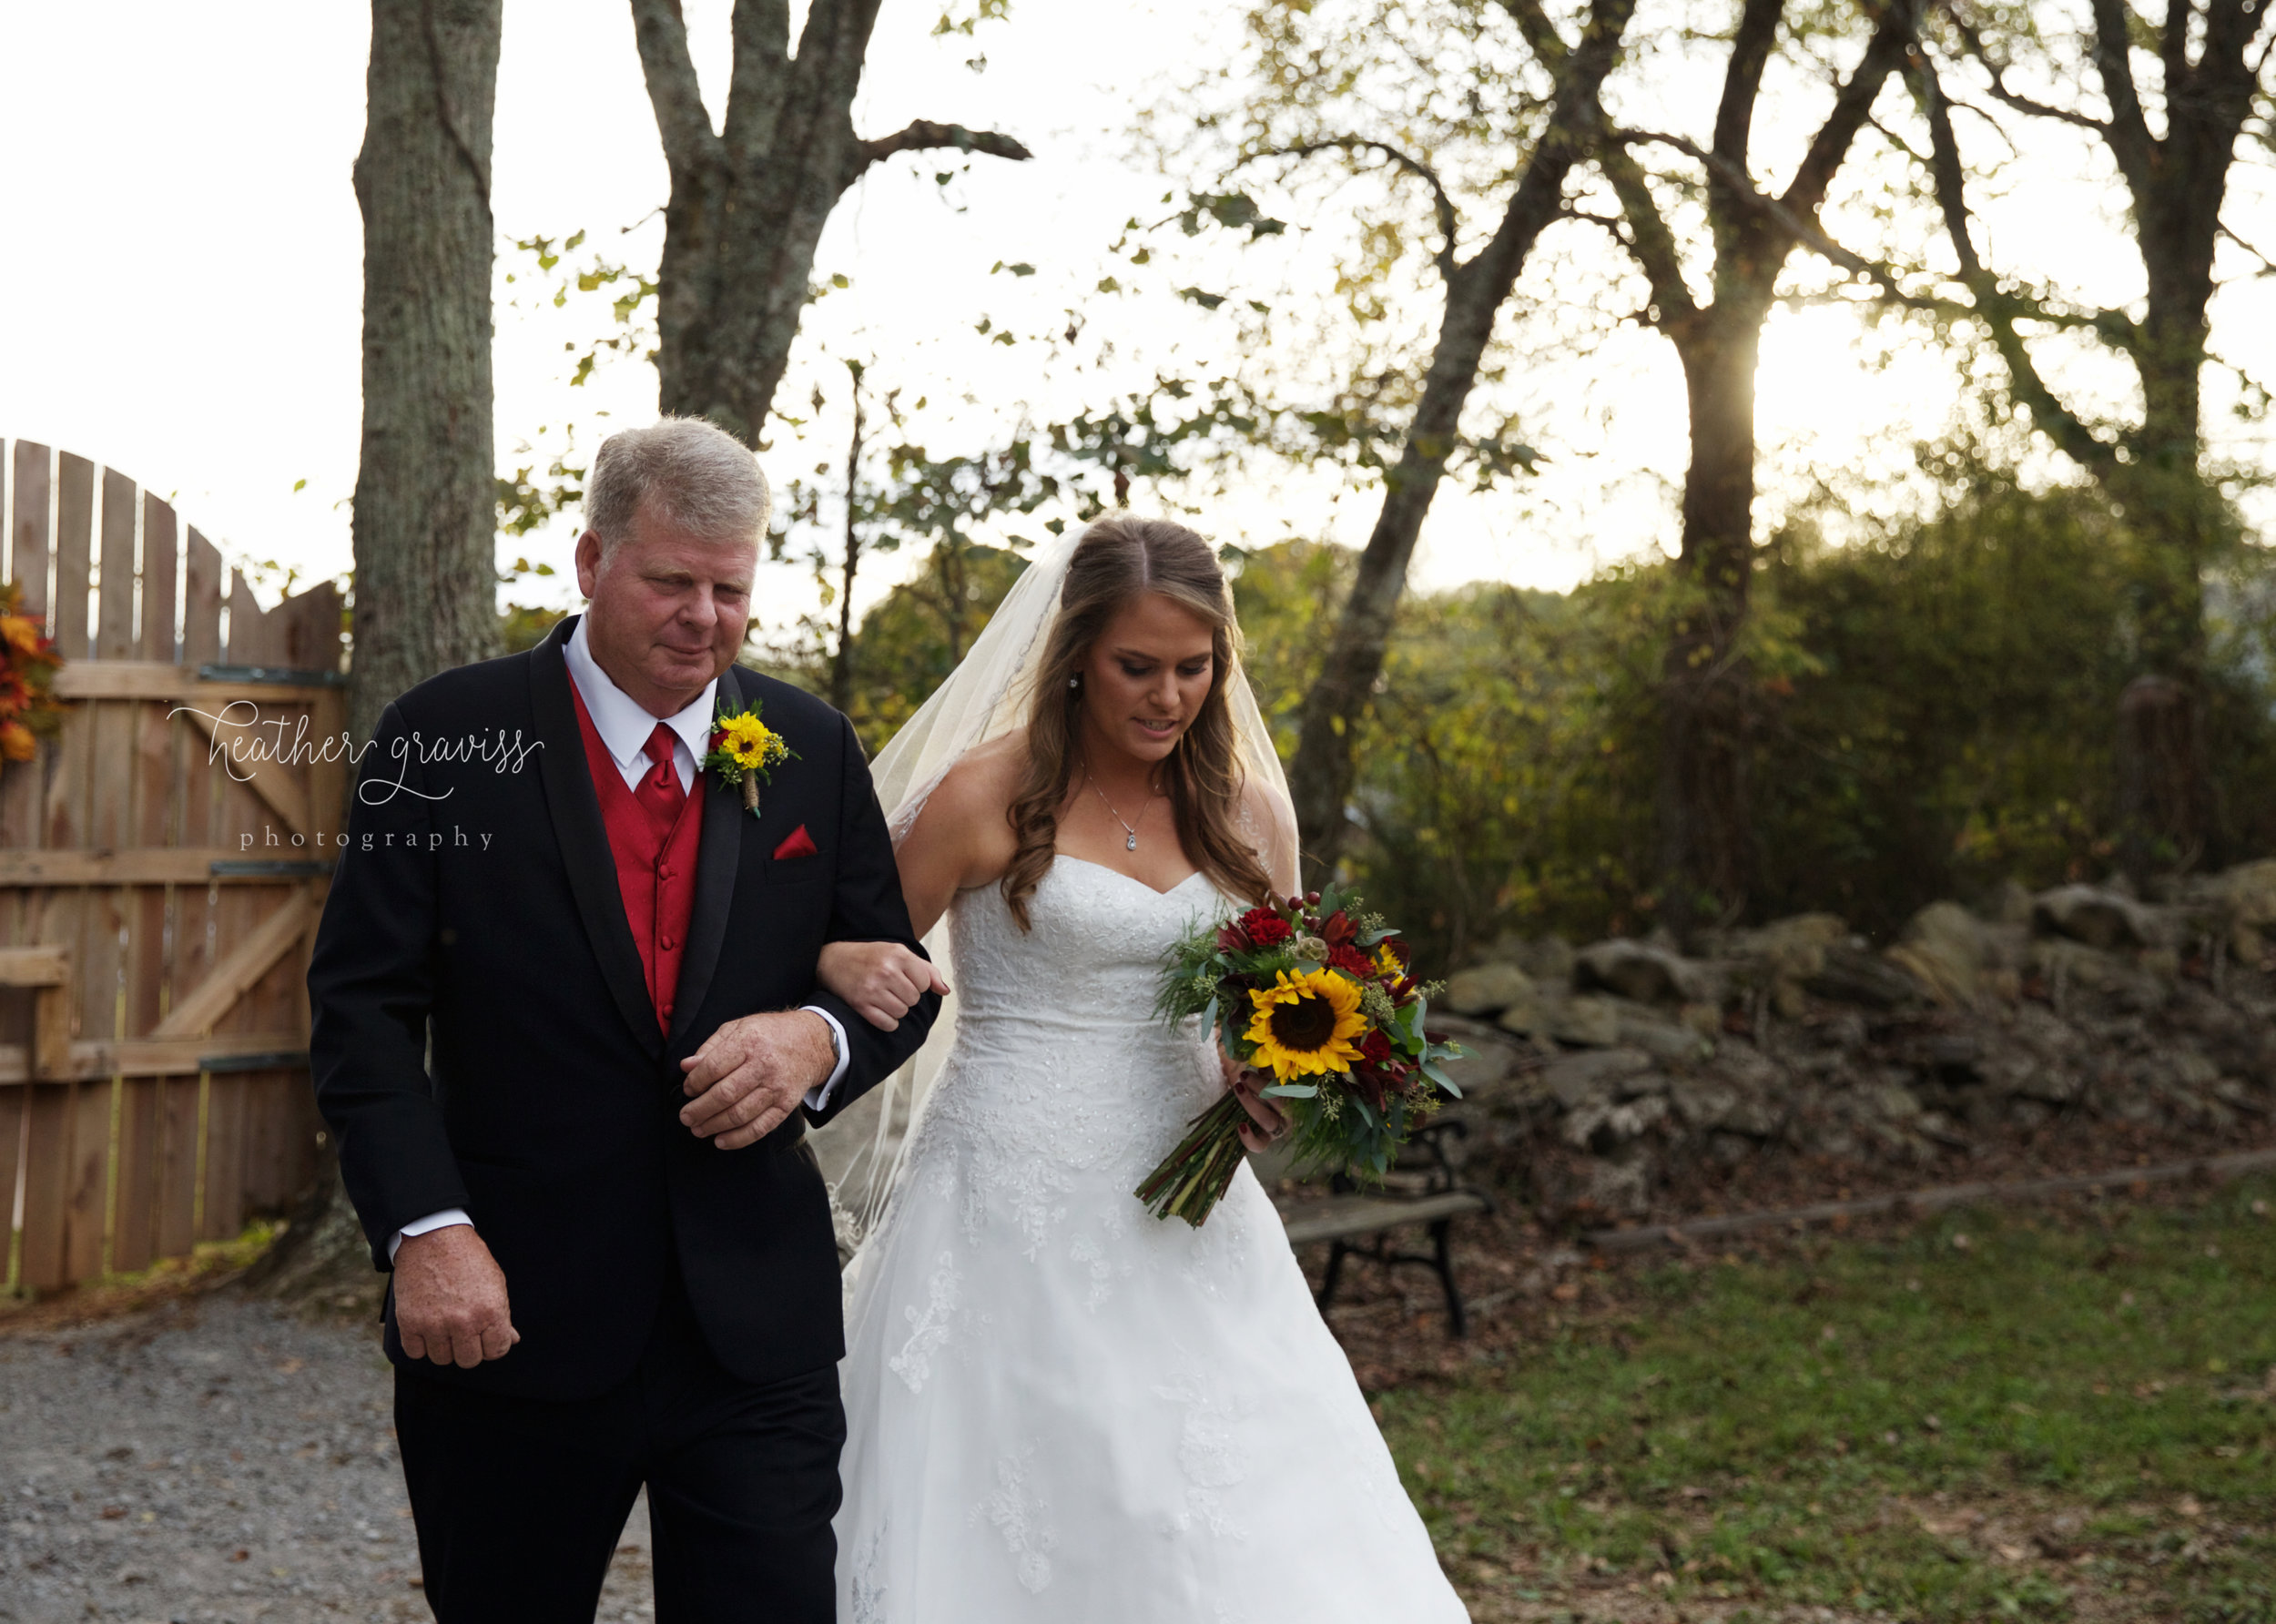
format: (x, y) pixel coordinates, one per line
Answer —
(1974, 41)
(2055, 420)
(759, 82)
(1414, 165)
(689, 141)
(924, 135)
(1650, 240)
(2127, 131)
(1540, 35)
(1892, 37)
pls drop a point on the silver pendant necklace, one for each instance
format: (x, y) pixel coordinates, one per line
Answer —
(1129, 829)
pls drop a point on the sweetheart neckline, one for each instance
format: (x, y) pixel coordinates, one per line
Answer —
(1062, 856)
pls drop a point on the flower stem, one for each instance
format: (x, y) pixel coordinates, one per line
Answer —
(1192, 1178)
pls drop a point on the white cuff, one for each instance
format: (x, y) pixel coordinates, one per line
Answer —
(818, 1099)
(419, 1226)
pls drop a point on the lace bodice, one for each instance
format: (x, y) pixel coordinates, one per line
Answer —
(1060, 1065)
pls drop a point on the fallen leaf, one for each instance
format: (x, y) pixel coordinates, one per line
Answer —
(1962, 1243)
(2189, 1508)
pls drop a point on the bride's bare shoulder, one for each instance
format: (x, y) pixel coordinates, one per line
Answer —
(972, 798)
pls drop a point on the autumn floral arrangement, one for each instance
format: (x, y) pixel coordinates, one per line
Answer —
(745, 751)
(28, 663)
(1323, 996)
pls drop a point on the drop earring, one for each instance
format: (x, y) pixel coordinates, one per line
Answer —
(1074, 682)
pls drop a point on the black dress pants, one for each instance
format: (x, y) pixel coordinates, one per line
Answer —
(519, 1502)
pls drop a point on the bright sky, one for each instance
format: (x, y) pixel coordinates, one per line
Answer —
(183, 273)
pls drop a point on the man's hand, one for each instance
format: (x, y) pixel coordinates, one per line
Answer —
(1266, 1121)
(882, 979)
(752, 1073)
(450, 1299)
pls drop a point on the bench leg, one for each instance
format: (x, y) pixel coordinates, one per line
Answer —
(1442, 1245)
(1335, 1250)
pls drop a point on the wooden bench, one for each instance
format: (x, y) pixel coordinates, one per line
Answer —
(1433, 1197)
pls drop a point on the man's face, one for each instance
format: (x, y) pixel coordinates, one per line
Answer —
(668, 608)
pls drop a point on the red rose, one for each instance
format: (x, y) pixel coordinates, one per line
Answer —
(1263, 927)
(1353, 963)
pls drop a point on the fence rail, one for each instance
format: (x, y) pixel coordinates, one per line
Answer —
(159, 883)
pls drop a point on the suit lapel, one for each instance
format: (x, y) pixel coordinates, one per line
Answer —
(584, 837)
(719, 856)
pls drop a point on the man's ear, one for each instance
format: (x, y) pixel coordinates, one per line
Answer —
(588, 561)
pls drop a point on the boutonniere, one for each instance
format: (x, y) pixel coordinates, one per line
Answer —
(744, 750)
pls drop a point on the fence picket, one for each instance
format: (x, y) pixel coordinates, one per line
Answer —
(114, 597)
(161, 559)
(75, 536)
(33, 490)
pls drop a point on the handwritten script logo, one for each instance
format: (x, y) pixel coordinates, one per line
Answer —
(242, 740)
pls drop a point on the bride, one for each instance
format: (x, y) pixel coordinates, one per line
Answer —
(1059, 1408)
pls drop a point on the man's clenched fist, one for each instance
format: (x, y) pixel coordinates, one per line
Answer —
(450, 1299)
(752, 1073)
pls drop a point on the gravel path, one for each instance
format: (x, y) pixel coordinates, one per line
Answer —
(216, 1460)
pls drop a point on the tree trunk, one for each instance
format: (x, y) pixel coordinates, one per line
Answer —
(1321, 779)
(426, 513)
(841, 661)
(749, 199)
(1706, 690)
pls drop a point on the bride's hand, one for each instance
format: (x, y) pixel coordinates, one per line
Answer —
(1268, 1123)
(882, 979)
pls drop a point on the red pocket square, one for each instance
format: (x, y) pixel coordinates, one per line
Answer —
(799, 845)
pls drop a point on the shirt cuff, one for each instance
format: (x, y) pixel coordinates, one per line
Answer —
(419, 1226)
(818, 1099)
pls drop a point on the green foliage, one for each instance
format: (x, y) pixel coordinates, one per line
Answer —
(1819, 1430)
(912, 638)
(1937, 715)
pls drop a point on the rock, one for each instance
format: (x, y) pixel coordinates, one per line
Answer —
(1948, 950)
(1621, 1184)
(1547, 959)
(1703, 1103)
(2097, 916)
(1793, 947)
(1663, 1040)
(1852, 975)
(2248, 893)
(1488, 1061)
(1487, 989)
(1706, 1020)
(1528, 1017)
(1588, 1022)
(2072, 969)
(1576, 1080)
(1646, 972)
(1601, 1126)
(1894, 1100)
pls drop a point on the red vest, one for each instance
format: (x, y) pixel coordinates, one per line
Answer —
(655, 865)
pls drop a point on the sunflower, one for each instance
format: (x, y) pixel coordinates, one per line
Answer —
(749, 741)
(1304, 1024)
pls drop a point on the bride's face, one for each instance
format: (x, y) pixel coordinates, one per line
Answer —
(1145, 678)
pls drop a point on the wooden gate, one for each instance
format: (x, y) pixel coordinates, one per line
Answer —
(162, 864)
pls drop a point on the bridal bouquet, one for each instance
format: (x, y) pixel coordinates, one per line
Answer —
(1323, 996)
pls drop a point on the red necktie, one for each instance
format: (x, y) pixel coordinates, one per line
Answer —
(659, 792)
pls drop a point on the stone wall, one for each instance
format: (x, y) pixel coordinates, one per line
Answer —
(1605, 1076)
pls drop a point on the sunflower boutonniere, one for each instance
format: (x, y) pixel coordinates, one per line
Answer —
(744, 750)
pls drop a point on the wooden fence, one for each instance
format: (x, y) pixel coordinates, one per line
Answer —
(162, 864)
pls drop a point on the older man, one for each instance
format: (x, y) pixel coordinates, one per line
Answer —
(567, 1030)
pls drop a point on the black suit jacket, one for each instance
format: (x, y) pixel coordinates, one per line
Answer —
(476, 904)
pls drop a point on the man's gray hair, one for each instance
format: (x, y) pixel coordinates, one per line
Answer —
(697, 476)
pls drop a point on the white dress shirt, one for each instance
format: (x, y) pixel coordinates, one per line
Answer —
(625, 725)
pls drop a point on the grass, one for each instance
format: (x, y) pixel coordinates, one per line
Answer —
(1996, 1414)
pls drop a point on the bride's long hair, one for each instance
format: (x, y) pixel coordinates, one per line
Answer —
(1118, 561)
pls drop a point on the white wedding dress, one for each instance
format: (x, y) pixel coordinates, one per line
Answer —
(1059, 1408)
